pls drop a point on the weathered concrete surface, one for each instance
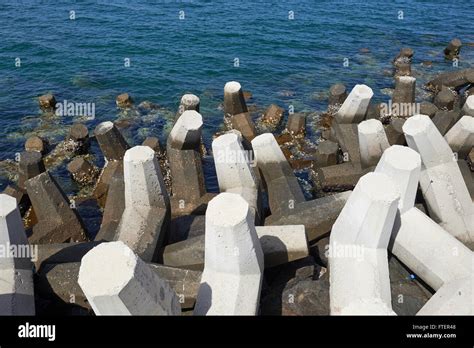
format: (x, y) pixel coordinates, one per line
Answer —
(111, 142)
(82, 171)
(185, 227)
(183, 150)
(30, 165)
(429, 109)
(326, 154)
(101, 189)
(445, 192)
(62, 253)
(347, 136)
(234, 171)
(461, 136)
(394, 131)
(22, 199)
(337, 94)
(57, 283)
(145, 220)
(468, 107)
(359, 278)
(444, 120)
(234, 101)
(114, 207)
(124, 284)
(283, 188)
(404, 92)
(456, 79)
(354, 108)
(273, 115)
(234, 261)
(57, 221)
(16, 274)
(35, 143)
(453, 298)
(188, 102)
(317, 215)
(445, 99)
(341, 177)
(244, 124)
(468, 176)
(372, 142)
(296, 124)
(280, 244)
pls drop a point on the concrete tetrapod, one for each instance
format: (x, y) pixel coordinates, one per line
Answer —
(421, 244)
(124, 284)
(358, 260)
(234, 101)
(286, 200)
(448, 199)
(234, 172)
(233, 266)
(16, 270)
(461, 136)
(146, 216)
(355, 107)
(183, 150)
(372, 142)
(280, 244)
(58, 222)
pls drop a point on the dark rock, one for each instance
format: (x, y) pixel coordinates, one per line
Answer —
(273, 115)
(124, 100)
(453, 49)
(47, 102)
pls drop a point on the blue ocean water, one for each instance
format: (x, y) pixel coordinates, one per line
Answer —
(176, 47)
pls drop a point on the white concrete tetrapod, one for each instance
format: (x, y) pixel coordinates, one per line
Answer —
(16, 270)
(461, 136)
(358, 258)
(233, 264)
(147, 207)
(453, 298)
(354, 108)
(418, 242)
(186, 132)
(372, 142)
(117, 282)
(233, 168)
(441, 181)
(189, 102)
(468, 107)
(403, 166)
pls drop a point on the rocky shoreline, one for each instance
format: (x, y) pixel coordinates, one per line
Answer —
(391, 229)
